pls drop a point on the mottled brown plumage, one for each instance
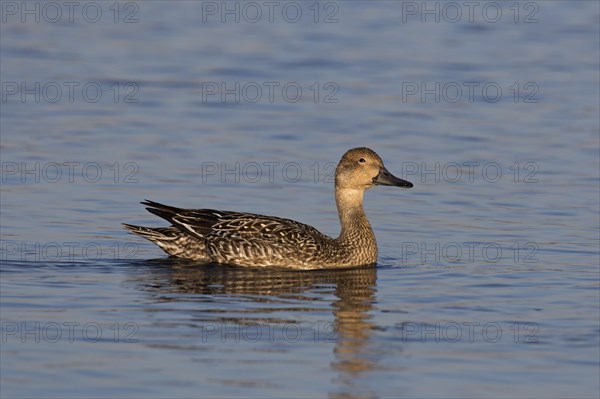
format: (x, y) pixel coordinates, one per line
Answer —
(247, 239)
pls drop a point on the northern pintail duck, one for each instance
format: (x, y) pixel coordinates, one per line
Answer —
(247, 239)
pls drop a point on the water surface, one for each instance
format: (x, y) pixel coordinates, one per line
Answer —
(488, 279)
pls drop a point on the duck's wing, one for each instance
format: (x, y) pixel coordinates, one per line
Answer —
(196, 222)
(233, 228)
(247, 239)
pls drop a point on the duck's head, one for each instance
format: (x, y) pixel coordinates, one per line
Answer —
(361, 168)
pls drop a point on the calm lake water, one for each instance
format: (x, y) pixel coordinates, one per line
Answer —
(488, 279)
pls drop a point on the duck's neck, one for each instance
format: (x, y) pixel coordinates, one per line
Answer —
(356, 229)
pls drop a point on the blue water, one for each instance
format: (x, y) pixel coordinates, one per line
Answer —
(488, 279)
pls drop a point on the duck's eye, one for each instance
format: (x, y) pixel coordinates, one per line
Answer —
(362, 160)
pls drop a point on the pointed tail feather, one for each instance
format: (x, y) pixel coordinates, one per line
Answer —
(152, 233)
(163, 211)
(172, 241)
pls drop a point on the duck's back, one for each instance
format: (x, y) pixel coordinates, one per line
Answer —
(258, 240)
(248, 239)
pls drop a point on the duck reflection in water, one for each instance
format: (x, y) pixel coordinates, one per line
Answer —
(303, 292)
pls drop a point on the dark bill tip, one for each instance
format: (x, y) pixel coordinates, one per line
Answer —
(385, 178)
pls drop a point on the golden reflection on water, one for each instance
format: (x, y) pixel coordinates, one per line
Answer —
(304, 291)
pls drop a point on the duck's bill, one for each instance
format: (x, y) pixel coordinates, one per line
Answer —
(385, 178)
